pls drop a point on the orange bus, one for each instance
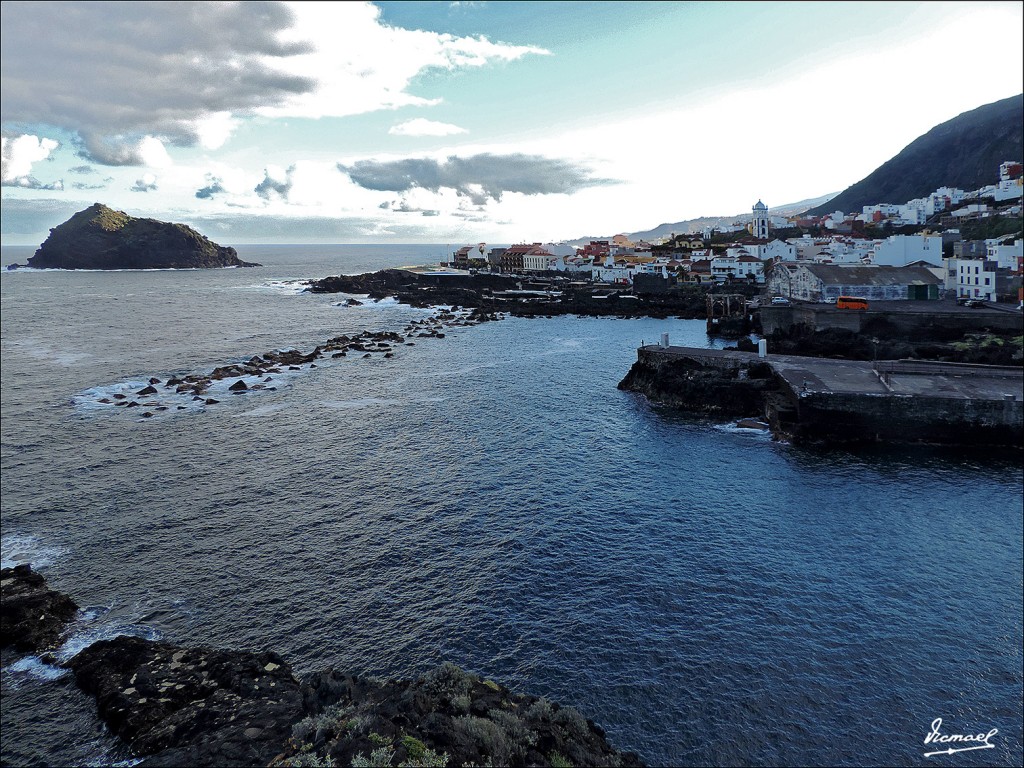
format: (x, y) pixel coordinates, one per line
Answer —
(851, 302)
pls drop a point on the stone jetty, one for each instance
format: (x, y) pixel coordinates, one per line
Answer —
(816, 400)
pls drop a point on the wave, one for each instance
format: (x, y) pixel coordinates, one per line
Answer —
(294, 287)
(24, 549)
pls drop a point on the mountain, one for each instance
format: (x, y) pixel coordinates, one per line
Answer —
(696, 225)
(964, 152)
(102, 238)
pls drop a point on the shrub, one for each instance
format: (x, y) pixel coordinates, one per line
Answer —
(557, 761)
(379, 758)
(519, 736)
(540, 710)
(309, 760)
(573, 722)
(448, 680)
(428, 759)
(487, 735)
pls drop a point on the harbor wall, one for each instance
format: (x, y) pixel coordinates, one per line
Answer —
(820, 317)
(726, 383)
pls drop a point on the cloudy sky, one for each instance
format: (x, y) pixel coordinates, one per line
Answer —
(473, 121)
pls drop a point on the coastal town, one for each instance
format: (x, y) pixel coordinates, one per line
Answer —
(951, 244)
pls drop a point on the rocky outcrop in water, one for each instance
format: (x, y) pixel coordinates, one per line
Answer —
(32, 616)
(191, 706)
(448, 717)
(102, 238)
(688, 385)
(181, 706)
(162, 395)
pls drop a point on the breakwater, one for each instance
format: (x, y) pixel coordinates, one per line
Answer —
(809, 400)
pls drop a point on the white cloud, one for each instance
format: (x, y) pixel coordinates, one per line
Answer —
(129, 74)
(146, 184)
(116, 72)
(214, 130)
(422, 127)
(20, 153)
(363, 65)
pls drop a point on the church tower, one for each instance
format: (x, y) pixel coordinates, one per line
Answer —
(760, 228)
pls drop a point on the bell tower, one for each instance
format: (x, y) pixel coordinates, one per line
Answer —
(760, 227)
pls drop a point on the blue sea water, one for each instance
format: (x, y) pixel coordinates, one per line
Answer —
(706, 595)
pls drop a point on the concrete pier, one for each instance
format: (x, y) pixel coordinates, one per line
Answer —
(851, 400)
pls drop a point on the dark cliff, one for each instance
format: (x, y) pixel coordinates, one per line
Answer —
(964, 152)
(102, 238)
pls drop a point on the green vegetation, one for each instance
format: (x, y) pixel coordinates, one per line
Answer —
(996, 226)
(379, 758)
(110, 220)
(557, 761)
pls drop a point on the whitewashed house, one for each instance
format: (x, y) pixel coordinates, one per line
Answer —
(976, 278)
(900, 250)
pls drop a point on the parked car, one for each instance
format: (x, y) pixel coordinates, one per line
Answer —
(780, 300)
(974, 303)
(829, 300)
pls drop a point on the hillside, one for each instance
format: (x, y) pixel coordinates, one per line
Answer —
(964, 152)
(696, 225)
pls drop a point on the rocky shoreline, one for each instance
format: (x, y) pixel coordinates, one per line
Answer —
(178, 392)
(180, 706)
(522, 297)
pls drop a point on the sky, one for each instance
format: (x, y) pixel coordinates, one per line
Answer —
(467, 122)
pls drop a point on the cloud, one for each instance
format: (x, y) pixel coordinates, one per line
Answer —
(125, 150)
(403, 206)
(146, 184)
(83, 185)
(422, 127)
(479, 177)
(275, 182)
(117, 72)
(120, 74)
(215, 186)
(291, 229)
(364, 65)
(31, 182)
(20, 153)
(83, 169)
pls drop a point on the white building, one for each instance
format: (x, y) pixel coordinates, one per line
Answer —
(539, 260)
(900, 250)
(807, 247)
(1005, 256)
(914, 211)
(976, 278)
(759, 228)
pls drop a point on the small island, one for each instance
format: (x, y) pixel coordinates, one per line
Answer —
(102, 238)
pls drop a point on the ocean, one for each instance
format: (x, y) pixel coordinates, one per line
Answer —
(706, 595)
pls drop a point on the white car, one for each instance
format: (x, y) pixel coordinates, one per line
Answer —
(780, 300)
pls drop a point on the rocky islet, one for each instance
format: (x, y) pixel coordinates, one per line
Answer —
(100, 238)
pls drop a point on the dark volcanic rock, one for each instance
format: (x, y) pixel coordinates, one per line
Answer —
(449, 713)
(102, 238)
(191, 706)
(687, 385)
(32, 616)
